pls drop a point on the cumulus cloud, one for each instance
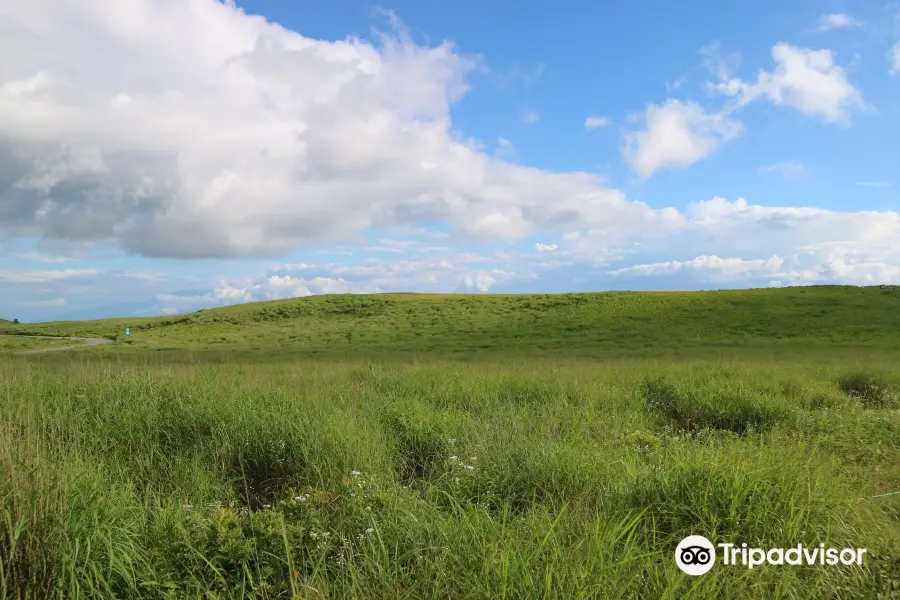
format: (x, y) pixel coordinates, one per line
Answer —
(412, 273)
(482, 282)
(545, 247)
(807, 80)
(816, 245)
(676, 135)
(530, 117)
(269, 287)
(837, 21)
(725, 267)
(478, 283)
(894, 57)
(191, 129)
(596, 122)
(679, 133)
(716, 242)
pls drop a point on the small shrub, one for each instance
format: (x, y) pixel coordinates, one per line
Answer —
(423, 443)
(713, 405)
(643, 440)
(868, 390)
(773, 496)
(812, 398)
(263, 468)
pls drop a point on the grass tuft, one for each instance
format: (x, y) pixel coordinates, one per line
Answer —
(869, 390)
(716, 404)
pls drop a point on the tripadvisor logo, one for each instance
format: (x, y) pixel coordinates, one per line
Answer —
(696, 555)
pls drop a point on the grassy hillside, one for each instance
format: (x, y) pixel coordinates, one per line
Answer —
(582, 324)
(18, 343)
(300, 466)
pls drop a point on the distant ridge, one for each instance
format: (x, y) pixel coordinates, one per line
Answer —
(600, 324)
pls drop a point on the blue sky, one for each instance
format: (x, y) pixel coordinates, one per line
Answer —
(160, 156)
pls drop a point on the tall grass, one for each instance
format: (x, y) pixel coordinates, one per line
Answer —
(436, 480)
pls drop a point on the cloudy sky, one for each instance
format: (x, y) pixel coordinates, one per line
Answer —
(159, 156)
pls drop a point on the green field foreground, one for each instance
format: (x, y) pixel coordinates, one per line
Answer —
(413, 446)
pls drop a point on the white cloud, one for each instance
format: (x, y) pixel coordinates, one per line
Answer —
(676, 135)
(680, 133)
(818, 245)
(837, 21)
(545, 247)
(727, 268)
(807, 80)
(721, 242)
(595, 122)
(20, 276)
(36, 303)
(482, 282)
(530, 117)
(874, 184)
(894, 57)
(44, 258)
(787, 169)
(200, 131)
(269, 287)
(721, 65)
(479, 283)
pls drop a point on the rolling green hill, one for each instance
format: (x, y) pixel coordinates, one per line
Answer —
(588, 324)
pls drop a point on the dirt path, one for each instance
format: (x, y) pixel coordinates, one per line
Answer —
(87, 342)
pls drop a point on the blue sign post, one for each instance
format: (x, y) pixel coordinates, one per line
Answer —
(128, 331)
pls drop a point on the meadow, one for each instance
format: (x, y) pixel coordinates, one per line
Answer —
(18, 343)
(424, 446)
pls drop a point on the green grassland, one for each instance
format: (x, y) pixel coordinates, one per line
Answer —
(424, 446)
(460, 326)
(18, 343)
